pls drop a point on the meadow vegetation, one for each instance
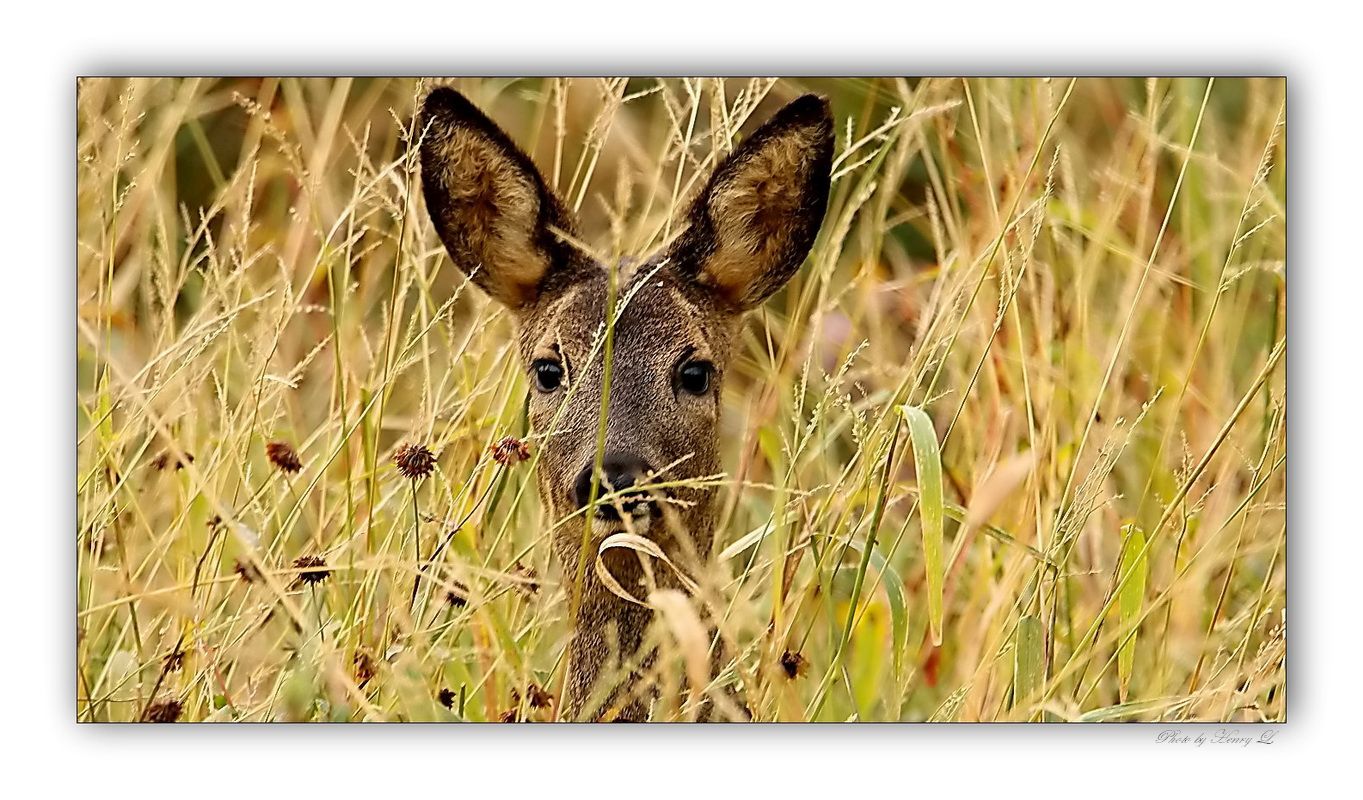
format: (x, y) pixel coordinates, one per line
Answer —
(1011, 446)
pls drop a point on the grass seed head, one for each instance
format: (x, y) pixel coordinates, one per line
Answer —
(284, 457)
(364, 667)
(458, 596)
(312, 569)
(510, 451)
(415, 461)
(538, 697)
(167, 709)
(527, 579)
(246, 571)
(168, 460)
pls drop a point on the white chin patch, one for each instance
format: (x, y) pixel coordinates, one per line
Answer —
(639, 524)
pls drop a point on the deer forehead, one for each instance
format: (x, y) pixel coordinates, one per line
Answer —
(661, 318)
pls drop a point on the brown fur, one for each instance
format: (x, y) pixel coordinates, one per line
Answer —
(747, 233)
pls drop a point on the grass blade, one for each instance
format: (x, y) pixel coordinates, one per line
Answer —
(927, 462)
(894, 592)
(1129, 604)
(1028, 661)
(1126, 711)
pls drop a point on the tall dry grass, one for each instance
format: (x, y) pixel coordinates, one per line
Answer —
(1081, 284)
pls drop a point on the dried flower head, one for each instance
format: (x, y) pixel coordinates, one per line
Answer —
(538, 697)
(312, 569)
(794, 664)
(527, 578)
(168, 460)
(364, 667)
(283, 456)
(510, 715)
(458, 596)
(510, 451)
(167, 709)
(415, 461)
(446, 698)
(246, 571)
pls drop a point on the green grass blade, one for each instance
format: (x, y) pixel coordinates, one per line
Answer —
(1126, 711)
(899, 616)
(1132, 598)
(1028, 660)
(927, 461)
(894, 592)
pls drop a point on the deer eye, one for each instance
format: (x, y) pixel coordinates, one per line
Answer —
(548, 375)
(694, 377)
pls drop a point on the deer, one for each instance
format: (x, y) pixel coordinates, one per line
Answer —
(736, 242)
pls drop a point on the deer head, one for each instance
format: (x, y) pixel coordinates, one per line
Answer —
(744, 236)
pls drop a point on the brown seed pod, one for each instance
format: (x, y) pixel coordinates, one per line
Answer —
(167, 460)
(529, 579)
(458, 596)
(364, 667)
(167, 709)
(246, 571)
(538, 697)
(415, 461)
(794, 664)
(284, 457)
(510, 451)
(313, 569)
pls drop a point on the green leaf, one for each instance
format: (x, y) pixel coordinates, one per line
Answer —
(927, 461)
(1028, 660)
(1131, 597)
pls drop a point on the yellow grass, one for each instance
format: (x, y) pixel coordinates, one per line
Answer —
(1080, 282)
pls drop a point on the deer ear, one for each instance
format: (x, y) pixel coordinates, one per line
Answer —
(490, 205)
(755, 221)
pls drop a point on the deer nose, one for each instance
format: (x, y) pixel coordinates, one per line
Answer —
(619, 473)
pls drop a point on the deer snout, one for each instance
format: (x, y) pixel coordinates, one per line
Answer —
(619, 472)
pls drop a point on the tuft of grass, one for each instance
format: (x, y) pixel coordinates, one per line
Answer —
(1073, 288)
